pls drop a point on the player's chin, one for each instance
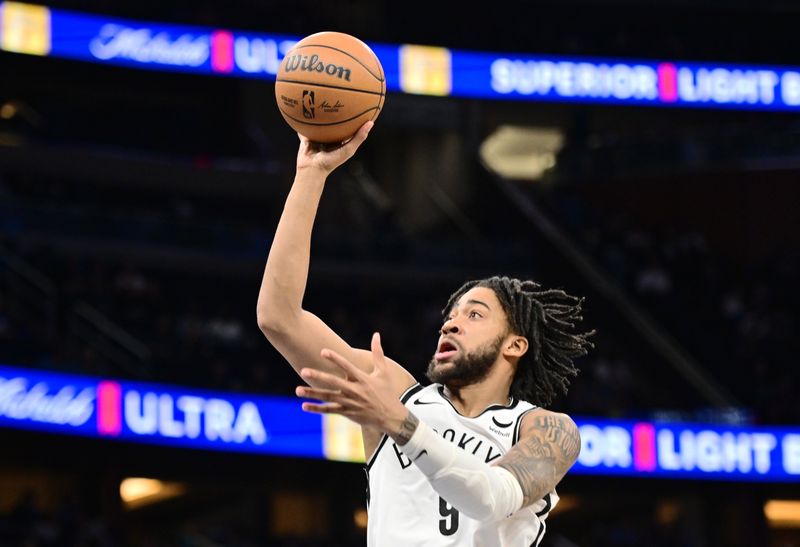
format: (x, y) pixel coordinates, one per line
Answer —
(437, 368)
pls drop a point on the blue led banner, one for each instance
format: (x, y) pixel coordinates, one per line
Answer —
(189, 418)
(626, 82)
(690, 451)
(157, 414)
(39, 30)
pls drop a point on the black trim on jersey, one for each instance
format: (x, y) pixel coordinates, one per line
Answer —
(410, 393)
(548, 504)
(538, 535)
(375, 454)
(407, 394)
(515, 437)
(368, 492)
(510, 405)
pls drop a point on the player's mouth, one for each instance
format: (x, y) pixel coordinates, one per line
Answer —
(446, 350)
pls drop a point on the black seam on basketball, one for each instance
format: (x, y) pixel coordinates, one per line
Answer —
(380, 79)
(332, 123)
(377, 111)
(330, 86)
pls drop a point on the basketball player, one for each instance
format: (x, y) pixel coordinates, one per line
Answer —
(470, 460)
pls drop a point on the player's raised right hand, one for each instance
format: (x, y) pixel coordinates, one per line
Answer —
(327, 157)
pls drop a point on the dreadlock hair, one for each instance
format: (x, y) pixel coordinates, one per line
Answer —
(547, 319)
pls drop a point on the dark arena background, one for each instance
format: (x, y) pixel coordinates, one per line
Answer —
(643, 154)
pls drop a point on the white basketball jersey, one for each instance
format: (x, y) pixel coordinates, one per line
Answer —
(404, 509)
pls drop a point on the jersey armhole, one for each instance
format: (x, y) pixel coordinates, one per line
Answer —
(515, 437)
(407, 394)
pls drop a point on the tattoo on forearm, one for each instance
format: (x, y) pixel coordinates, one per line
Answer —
(549, 446)
(407, 429)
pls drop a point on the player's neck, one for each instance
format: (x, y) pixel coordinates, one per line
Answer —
(473, 399)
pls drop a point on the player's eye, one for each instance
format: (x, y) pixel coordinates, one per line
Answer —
(474, 314)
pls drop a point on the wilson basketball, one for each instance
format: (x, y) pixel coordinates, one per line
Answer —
(328, 85)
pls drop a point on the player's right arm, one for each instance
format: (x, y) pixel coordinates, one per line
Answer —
(297, 334)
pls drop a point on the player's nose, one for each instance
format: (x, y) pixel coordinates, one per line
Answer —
(449, 327)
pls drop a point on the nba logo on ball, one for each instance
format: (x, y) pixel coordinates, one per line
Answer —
(328, 85)
(308, 104)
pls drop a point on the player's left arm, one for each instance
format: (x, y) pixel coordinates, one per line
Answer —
(548, 445)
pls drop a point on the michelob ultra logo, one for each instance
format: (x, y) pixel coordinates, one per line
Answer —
(35, 401)
(149, 45)
(128, 410)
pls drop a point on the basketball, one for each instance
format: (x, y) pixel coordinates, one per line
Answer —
(328, 85)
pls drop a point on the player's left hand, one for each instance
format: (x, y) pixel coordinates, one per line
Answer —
(367, 398)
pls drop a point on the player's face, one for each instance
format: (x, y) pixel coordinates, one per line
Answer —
(471, 339)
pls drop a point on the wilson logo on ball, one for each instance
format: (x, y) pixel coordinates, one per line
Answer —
(312, 63)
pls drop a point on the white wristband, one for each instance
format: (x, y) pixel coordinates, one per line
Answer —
(479, 490)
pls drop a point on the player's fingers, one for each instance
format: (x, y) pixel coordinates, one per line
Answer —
(331, 380)
(349, 368)
(318, 393)
(378, 358)
(327, 408)
(305, 140)
(355, 141)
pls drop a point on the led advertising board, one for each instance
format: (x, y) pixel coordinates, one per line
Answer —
(415, 69)
(690, 451)
(156, 414)
(210, 420)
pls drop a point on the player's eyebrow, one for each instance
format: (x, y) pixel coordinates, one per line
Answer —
(484, 304)
(467, 303)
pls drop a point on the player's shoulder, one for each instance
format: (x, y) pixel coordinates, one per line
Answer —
(541, 419)
(554, 428)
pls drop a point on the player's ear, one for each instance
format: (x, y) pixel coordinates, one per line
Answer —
(515, 346)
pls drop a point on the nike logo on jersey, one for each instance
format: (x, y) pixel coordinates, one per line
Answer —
(501, 424)
(420, 402)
